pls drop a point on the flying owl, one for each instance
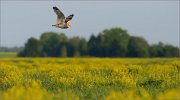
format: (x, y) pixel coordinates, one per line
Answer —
(62, 21)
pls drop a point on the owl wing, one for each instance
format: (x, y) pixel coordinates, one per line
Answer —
(69, 18)
(60, 15)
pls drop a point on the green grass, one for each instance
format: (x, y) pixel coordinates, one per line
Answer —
(7, 54)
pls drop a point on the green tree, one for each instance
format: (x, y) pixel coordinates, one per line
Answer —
(171, 51)
(52, 43)
(32, 48)
(137, 47)
(162, 50)
(63, 51)
(83, 47)
(109, 43)
(92, 46)
(101, 47)
(157, 50)
(74, 47)
(115, 42)
(96, 46)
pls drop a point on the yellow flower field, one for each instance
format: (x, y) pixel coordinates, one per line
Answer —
(89, 79)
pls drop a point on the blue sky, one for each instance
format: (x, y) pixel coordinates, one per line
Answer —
(154, 20)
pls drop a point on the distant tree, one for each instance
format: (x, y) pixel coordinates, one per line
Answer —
(137, 47)
(96, 46)
(102, 47)
(32, 48)
(157, 50)
(83, 47)
(63, 40)
(21, 54)
(74, 47)
(11, 49)
(92, 46)
(162, 50)
(63, 51)
(109, 43)
(116, 41)
(52, 43)
(171, 51)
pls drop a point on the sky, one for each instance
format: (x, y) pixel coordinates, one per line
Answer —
(154, 20)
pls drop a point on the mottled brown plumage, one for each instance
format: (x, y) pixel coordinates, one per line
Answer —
(62, 22)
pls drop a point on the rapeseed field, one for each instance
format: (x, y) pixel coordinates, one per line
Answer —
(89, 78)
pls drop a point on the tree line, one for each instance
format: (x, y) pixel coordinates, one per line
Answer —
(10, 49)
(115, 42)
